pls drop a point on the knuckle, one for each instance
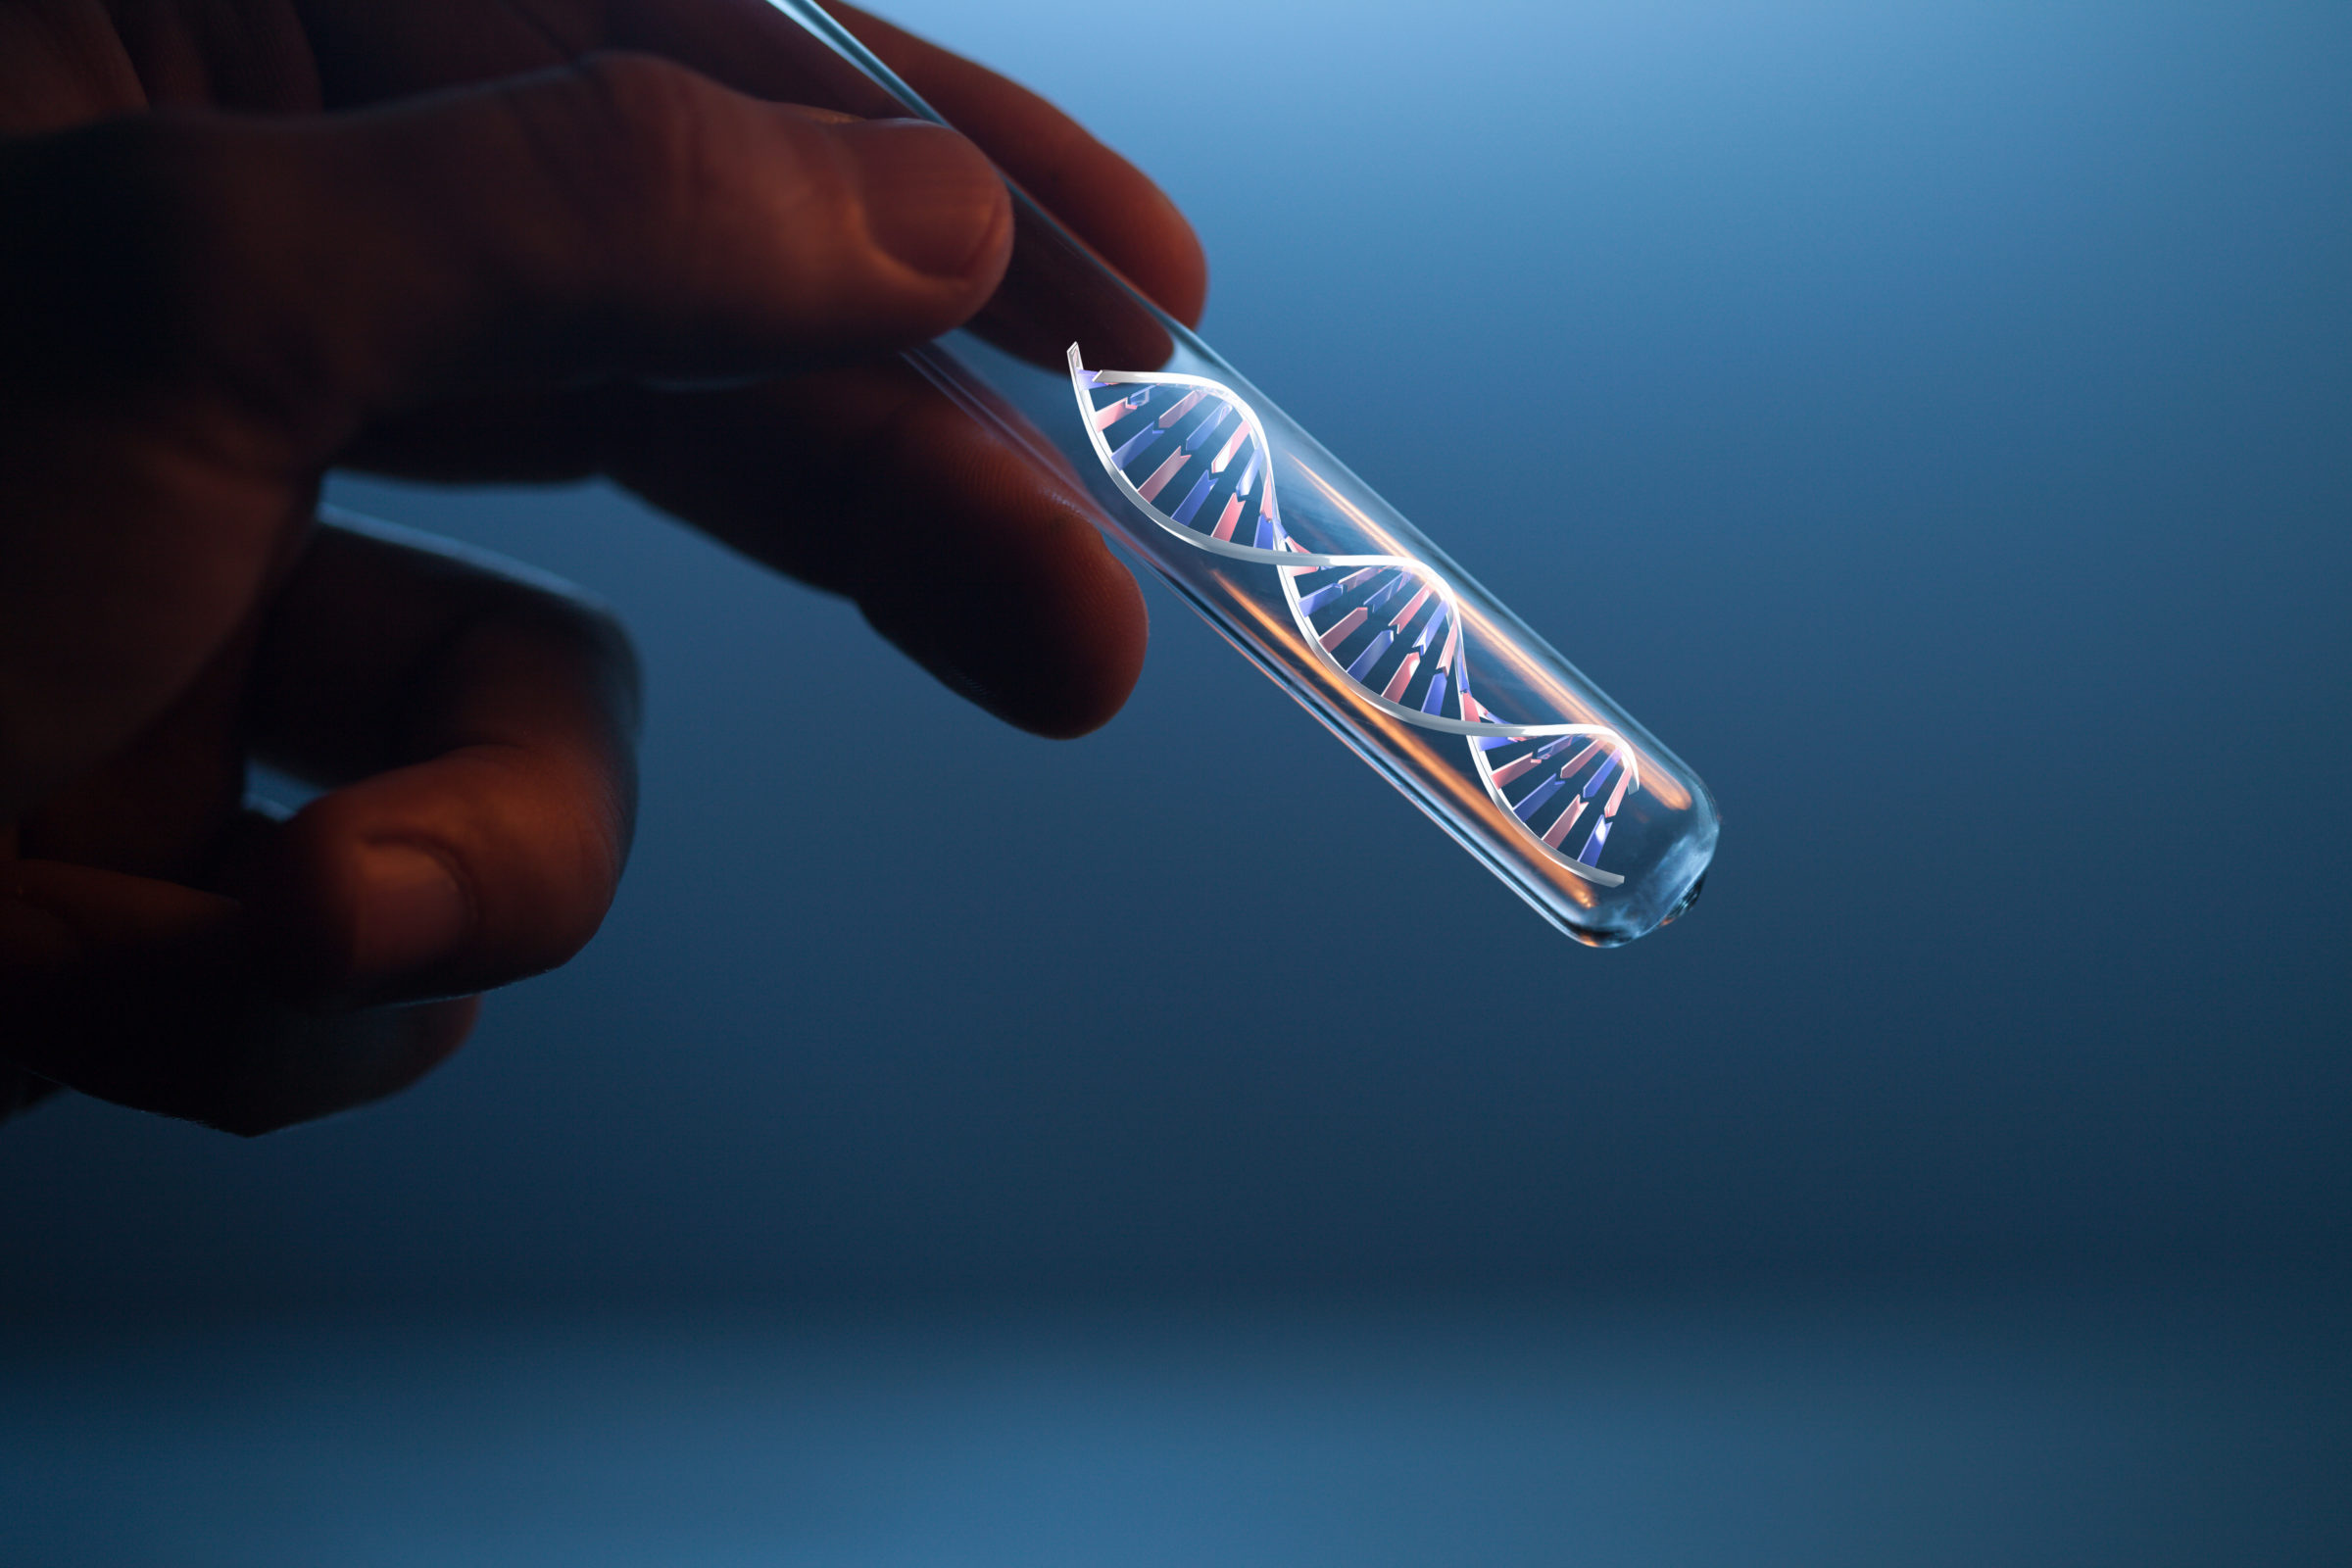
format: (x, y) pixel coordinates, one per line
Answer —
(119, 256)
(188, 280)
(144, 316)
(638, 138)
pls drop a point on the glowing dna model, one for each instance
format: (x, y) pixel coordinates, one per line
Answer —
(1193, 457)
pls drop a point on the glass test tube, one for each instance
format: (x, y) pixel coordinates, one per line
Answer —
(1314, 578)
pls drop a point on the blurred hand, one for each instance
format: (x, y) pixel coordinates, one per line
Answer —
(243, 241)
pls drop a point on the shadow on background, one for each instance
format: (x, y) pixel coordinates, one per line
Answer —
(1934, 425)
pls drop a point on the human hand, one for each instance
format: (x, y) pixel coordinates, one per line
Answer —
(243, 241)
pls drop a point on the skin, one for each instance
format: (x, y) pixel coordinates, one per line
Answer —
(244, 241)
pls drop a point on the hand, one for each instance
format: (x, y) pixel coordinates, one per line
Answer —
(243, 241)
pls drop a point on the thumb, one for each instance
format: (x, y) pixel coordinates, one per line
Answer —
(618, 217)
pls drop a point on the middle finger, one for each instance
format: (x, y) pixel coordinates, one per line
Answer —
(985, 566)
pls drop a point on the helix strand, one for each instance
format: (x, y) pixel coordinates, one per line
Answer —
(1387, 628)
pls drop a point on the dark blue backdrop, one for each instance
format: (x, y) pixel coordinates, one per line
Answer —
(1944, 445)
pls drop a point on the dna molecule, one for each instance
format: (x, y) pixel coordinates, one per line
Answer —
(1191, 455)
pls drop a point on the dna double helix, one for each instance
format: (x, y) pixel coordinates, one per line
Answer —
(1193, 457)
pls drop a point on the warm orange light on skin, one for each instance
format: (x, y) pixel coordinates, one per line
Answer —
(1432, 766)
(1669, 792)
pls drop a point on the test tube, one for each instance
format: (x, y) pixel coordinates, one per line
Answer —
(1324, 586)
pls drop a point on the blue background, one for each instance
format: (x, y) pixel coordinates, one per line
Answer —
(1934, 422)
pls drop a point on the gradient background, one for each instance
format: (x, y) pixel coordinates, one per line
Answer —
(1934, 422)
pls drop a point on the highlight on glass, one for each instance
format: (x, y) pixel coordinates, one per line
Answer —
(1314, 577)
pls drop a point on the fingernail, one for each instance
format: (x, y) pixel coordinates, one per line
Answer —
(931, 200)
(412, 913)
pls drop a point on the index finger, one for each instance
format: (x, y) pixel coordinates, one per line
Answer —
(367, 52)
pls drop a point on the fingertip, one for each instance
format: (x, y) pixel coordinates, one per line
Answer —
(479, 868)
(1110, 202)
(979, 561)
(412, 912)
(313, 894)
(931, 201)
(1024, 610)
(1158, 250)
(480, 729)
(1105, 630)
